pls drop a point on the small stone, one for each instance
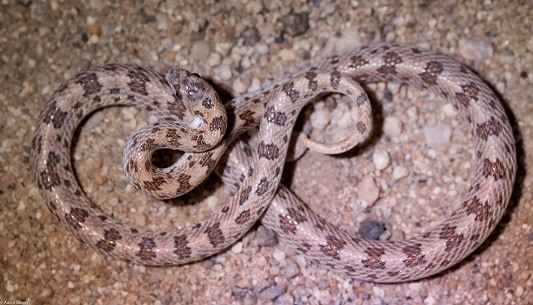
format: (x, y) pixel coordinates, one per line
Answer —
(399, 172)
(223, 71)
(392, 126)
(286, 55)
(437, 135)
(301, 261)
(449, 110)
(429, 300)
(273, 271)
(94, 30)
(272, 292)
(367, 190)
(21, 206)
(295, 24)
(200, 51)
(371, 229)
(241, 292)
(212, 202)
(320, 118)
(476, 49)
(381, 159)
(265, 237)
(412, 112)
(290, 271)
(250, 36)
(10, 288)
(144, 17)
(278, 255)
(240, 85)
(214, 59)
(261, 48)
(237, 248)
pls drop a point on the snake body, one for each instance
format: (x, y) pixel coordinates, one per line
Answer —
(193, 120)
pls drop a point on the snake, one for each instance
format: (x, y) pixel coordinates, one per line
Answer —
(192, 119)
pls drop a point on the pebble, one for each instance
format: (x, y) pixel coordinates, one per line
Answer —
(212, 202)
(399, 172)
(367, 190)
(290, 271)
(476, 49)
(429, 300)
(286, 55)
(320, 117)
(237, 247)
(295, 24)
(265, 237)
(241, 292)
(224, 72)
(10, 287)
(21, 206)
(381, 159)
(437, 135)
(278, 255)
(214, 59)
(144, 17)
(371, 229)
(200, 51)
(301, 261)
(250, 36)
(272, 292)
(392, 126)
(240, 85)
(449, 110)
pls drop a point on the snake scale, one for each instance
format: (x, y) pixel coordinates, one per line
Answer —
(193, 120)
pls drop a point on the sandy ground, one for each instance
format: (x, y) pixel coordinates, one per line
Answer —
(241, 47)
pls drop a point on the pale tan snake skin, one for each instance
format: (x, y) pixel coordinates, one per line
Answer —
(254, 174)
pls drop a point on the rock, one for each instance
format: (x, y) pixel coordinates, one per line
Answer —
(367, 190)
(437, 135)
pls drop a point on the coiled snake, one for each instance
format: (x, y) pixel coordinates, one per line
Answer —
(192, 119)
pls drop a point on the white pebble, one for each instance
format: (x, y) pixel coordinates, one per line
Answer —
(212, 202)
(301, 261)
(412, 112)
(223, 71)
(449, 110)
(237, 248)
(240, 85)
(429, 300)
(320, 119)
(344, 120)
(278, 255)
(476, 49)
(214, 59)
(367, 190)
(21, 206)
(261, 48)
(381, 159)
(392, 126)
(399, 172)
(287, 55)
(437, 135)
(10, 288)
